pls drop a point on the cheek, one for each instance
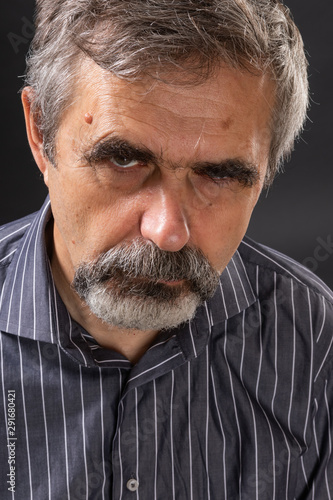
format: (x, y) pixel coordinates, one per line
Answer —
(93, 223)
(233, 212)
(222, 228)
(72, 208)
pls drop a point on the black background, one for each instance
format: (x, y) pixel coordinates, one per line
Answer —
(295, 217)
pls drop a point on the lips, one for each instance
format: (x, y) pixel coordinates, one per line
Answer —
(170, 283)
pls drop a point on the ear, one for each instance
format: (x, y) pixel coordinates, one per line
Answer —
(35, 137)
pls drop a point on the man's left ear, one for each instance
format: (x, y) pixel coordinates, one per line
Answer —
(35, 137)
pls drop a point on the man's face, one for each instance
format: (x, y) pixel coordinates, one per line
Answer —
(175, 165)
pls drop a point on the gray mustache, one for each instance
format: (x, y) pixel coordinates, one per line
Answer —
(142, 259)
(149, 261)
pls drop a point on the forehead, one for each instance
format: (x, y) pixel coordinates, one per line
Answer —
(229, 104)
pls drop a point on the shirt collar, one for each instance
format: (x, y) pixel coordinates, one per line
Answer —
(27, 304)
(31, 307)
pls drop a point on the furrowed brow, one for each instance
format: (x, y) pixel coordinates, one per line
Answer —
(112, 146)
(242, 171)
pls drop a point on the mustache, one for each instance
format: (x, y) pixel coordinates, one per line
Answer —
(143, 259)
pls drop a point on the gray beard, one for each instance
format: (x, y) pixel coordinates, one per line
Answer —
(123, 288)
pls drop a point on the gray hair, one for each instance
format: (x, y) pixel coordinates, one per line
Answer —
(135, 38)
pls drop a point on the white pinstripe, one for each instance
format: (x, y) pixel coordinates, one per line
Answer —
(154, 367)
(14, 232)
(3, 395)
(236, 413)
(193, 344)
(209, 317)
(25, 417)
(102, 429)
(119, 443)
(15, 277)
(207, 421)
(84, 435)
(189, 426)
(329, 424)
(314, 427)
(45, 421)
(137, 439)
(293, 366)
(156, 441)
(241, 283)
(50, 315)
(244, 269)
(329, 349)
(223, 299)
(74, 343)
(34, 274)
(115, 361)
(276, 383)
(304, 473)
(223, 436)
(6, 257)
(171, 436)
(324, 319)
(258, 381)
(233, 287)
(311, 367)
(62, 391)
(64, 421)
(251, 406)
(161, 343)
(21, 369)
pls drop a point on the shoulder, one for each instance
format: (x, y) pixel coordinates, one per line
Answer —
(11, 235)
(293, 302)
(270, 265)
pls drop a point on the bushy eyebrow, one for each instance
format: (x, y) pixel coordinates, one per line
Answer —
(242, 171)
(112, 146)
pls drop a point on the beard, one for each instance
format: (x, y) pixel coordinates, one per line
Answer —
(127, 287)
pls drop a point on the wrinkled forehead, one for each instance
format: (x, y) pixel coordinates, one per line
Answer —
(226, 91)
(230, 111)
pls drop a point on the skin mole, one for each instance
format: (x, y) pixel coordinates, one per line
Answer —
(88, 118)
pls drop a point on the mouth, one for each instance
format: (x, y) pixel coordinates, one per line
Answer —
(171, 283)
(148, 281)
(160, 289)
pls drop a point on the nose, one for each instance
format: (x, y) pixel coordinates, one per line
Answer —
(164, 222)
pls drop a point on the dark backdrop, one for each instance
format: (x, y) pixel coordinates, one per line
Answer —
(296, 215)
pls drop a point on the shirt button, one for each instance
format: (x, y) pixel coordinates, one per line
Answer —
(132, 484)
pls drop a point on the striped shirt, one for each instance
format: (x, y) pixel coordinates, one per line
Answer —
(236, 404)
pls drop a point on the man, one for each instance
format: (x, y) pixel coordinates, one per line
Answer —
(148, 349)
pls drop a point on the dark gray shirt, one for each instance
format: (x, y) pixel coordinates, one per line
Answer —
(237, 404)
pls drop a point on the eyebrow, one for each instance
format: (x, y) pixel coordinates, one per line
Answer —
(246, 173)
(111, 146)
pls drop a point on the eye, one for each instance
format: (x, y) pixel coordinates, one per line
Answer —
(123, 161)
(215, 174)
(230, 172)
